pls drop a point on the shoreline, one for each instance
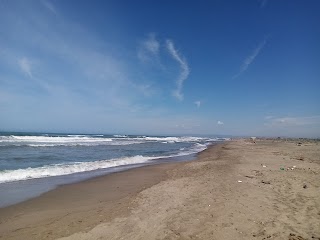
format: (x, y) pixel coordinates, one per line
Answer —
(32, 188)
(35, 163)
(105, 195)
(235, 190)
(139, 177)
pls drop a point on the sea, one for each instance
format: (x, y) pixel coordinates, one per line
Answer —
(34, 163)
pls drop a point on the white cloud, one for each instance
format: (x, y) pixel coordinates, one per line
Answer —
(25, 66)
(152, 45)
(49, 6)
(220, 123)
(149, 51)
(268, 117)
(251, 58)
(93, 79)
(108, 73)
(149, 48)
(197, 103)
(145, 89)
(184, 72)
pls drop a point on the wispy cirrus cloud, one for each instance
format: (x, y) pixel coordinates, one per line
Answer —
(150, 51)
(148, 48)
(197, 103)
(82, 74)
(25, 66)
(249, 60)
(220, 123)
(268, 117)
(184, 69)
(47, 4)
(74, 53)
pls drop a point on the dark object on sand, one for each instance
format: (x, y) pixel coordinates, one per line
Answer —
(265, 182)
(293, 236)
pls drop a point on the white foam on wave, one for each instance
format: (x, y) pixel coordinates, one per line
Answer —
(120, 136)
(66, 169)
(78, 167)
(93, 140)
(113, 143)
(53, 139)
(126, 142)
(73, 135)
(183, 139)
(174, 139)
(196, 148)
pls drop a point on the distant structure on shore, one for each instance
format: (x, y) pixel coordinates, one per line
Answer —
(253, 139)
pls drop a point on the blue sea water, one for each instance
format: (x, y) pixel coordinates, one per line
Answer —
(33, 163)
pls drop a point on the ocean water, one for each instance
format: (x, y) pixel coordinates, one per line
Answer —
(31, 164)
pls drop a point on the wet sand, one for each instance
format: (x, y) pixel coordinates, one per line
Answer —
(238, 190)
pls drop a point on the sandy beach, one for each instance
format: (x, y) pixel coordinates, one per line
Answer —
(236, 190)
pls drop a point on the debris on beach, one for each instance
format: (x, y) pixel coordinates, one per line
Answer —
(265, 182)
(291, 168)
(249, 176)
(293, 236)
(239, 181)
(253, 139)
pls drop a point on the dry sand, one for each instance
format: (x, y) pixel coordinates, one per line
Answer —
(238, 190)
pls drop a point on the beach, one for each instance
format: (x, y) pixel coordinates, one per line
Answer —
(241, 189)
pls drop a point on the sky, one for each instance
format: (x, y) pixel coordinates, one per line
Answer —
(241, 68)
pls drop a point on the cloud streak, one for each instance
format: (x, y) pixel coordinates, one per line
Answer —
(197, 103)
(149, 51)
(249, 60)
(149, 48)
(74, 53)
(184, 69)
(49, 6)
(220, 123)
(25, 66)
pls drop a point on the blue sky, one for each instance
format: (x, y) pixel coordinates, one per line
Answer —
(161, 67)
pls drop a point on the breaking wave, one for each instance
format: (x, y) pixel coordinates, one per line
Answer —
(65, 169)
(78, 167)
(93, 140)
